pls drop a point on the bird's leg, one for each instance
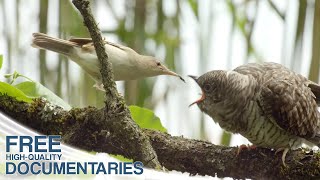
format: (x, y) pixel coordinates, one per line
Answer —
(243, 146)
(284, 153)
(99, 86)
(104, 39)
(278, 150)
(87, 46)
(252, 147)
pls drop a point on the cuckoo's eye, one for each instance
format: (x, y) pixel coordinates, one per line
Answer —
(207, 87)
(158, 63)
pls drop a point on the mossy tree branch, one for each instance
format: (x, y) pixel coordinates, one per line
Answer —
(79, 128)
(116, 114)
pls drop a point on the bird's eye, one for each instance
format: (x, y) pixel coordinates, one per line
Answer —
(207, 87)
(158, 63)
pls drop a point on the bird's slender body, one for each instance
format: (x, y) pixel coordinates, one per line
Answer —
(126, 63)
(270, 105)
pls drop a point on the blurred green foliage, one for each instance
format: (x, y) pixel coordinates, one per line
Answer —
(315, 57)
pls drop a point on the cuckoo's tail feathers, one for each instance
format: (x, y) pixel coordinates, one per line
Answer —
(315, 88)
(43, 41)
(315, 140)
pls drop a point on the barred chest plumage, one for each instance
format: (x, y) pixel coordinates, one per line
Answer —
(262, 131)
(241, 112)
(250, 122)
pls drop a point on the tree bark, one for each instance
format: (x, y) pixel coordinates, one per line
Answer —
(82, 128)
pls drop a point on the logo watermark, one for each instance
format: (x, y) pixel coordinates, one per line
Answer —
(43, 155)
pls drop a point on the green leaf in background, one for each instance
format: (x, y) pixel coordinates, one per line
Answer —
(35, 90)
(12, 91)
(1, 60)
(145, 118)
(194, 5)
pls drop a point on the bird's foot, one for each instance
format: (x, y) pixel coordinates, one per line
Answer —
(99, 86)
(284, 153)
(248, 147)
(279, 150)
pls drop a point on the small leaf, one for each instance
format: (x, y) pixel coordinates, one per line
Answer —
(12, 91)
(145, 118)
(36, 90)
(1, 60)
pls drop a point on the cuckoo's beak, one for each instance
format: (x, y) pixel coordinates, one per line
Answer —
(195, 78)
(171, 73)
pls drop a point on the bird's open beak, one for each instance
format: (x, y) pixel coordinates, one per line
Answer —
(171, 73)
(195, 78)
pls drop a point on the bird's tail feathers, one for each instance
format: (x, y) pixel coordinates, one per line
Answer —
(43, 41)
(315, 88)
(315, 140)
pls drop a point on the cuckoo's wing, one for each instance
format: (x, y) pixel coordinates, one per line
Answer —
(290, 103)
(286, 97)
(315, 88)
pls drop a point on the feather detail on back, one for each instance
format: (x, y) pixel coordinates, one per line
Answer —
(84, 42)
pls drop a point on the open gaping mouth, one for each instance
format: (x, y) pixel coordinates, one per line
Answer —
(199, 100)
(195, 78)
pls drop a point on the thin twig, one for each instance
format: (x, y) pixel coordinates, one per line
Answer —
(275, 8)
(115, 114)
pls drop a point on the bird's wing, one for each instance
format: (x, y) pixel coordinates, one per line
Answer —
(315, 88)
(116, 45)
(81, 41)
(291, 104)
(124, 48)
(286, 98)
(86, 42)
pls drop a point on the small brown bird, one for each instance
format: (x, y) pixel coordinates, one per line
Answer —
(270, 105)
(126, 63)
